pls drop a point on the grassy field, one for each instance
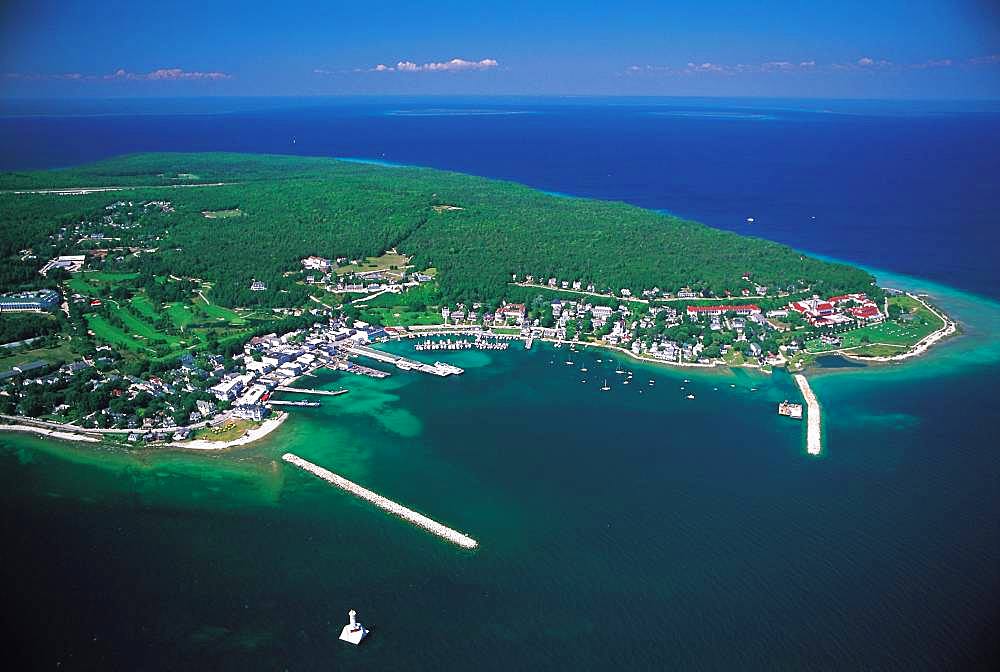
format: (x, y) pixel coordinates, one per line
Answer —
(222, 214)
(392, 317)
(145, 307)
(180, 314)
(897, 334)
(60, 353)
(382, 263)
(220, 313)
(108, 333)
(230, 430)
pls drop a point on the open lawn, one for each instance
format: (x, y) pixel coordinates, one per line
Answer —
(101, 276)
(228, 431)
(146, 330)
(60, 353)
(219, 313)
(222, 214)
(395, 317)
(78, 285)
(145, 307)
(107, 333)
(386, 262)
(181, 314)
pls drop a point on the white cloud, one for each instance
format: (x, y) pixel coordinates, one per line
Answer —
(167, 74)
(454, 65)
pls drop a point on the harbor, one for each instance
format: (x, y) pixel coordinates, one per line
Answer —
(462, 344)
(402, 363)
(381, 502)
(813, 426)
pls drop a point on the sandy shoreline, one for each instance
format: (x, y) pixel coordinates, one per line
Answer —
(49, 433)
(93, 436)
(252, 435)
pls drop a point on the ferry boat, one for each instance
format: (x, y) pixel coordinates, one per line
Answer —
(790, 410)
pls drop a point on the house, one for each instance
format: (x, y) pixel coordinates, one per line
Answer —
(317, 264)
(601, 312)
(257, 286)
(250, 411)
(513, 311)
(228, 389)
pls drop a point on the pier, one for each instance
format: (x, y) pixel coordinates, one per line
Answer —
(304, 404)
(306, 390)
(813, 427)
(381, 502)
(402, 363)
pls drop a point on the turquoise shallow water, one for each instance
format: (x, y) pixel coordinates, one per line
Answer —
(633, 528)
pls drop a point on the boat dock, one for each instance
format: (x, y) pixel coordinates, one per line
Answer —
(402, 363)
(306, 390)
(304, 404)
(814, 442)
(381, 502)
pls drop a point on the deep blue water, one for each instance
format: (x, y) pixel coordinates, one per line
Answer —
(616, 533)
(910, 187)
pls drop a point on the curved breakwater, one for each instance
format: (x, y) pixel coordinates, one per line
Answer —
(383, 503)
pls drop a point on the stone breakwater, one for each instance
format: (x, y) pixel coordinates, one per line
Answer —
(381, 502)
(813, 429)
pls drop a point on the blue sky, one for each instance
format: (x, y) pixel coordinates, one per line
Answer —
(893, 49)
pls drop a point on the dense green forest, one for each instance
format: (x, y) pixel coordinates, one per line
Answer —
(291, 207)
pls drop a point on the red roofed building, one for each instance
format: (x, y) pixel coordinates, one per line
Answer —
(515, 310)
(745, 309)
(869, 311)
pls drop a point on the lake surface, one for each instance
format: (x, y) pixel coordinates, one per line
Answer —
(633, 528)
(904, 186)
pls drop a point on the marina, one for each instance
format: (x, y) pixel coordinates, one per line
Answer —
(813, 427)
(404, 364)
(461, 344)
(381, 502)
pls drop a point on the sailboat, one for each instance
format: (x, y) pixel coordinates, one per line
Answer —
(606, 386)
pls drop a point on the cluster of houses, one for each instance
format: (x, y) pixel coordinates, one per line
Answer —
(358, 282)
(650, 293)
(96, 234)
(273, 361)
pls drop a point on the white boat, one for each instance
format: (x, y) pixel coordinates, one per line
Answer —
(690, 396)
(606, 387)
(584, 369)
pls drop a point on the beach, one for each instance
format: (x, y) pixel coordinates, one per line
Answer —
(252, 435)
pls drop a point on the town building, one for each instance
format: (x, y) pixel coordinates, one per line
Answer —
(34, 302)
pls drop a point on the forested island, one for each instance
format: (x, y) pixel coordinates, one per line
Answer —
(133, 288)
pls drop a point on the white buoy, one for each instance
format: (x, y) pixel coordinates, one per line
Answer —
(353, 632)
